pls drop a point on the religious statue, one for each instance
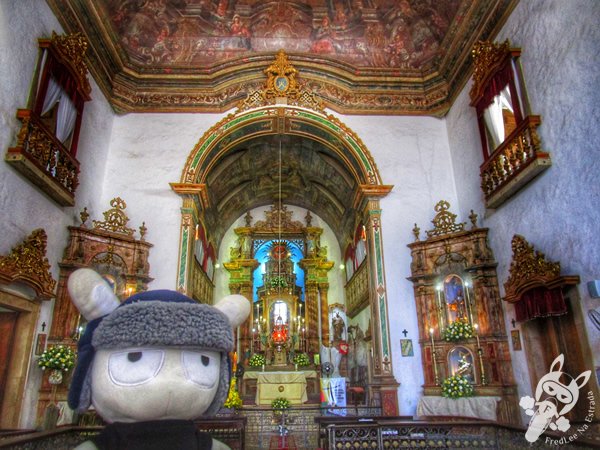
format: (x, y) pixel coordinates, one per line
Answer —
(338, 325)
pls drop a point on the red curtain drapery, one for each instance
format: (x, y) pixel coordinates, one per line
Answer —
(540, 302)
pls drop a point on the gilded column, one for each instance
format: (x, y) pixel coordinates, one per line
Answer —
(312, 316)
(240, 282)
(323, 289)
(186, 239)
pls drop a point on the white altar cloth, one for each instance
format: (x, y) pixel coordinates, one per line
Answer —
(272, 385)
(476, 407)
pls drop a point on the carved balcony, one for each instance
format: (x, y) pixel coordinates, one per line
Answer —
(514, 163)
(44, 160)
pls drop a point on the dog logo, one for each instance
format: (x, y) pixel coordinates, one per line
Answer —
(553, 399)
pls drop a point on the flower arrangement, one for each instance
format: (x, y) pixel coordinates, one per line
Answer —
(60, 358)
(280, 403)
(458, 330)
(457, 386)
(277, 282)
(257, 360)
(233, 400)
(301, 359)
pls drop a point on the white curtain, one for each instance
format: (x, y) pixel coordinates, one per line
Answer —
(494, 120)
(66, 114)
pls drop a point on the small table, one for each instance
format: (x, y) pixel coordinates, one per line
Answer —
(476, 407)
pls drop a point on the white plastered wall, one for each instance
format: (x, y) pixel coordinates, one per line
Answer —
(23, 207)
(558, 211)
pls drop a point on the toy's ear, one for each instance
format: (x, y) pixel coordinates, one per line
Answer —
(236, 308)
(91, 294)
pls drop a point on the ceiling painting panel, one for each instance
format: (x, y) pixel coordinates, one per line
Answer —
(358, 56)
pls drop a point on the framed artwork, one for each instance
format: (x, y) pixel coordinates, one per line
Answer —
(40, 345)
(406, 346)
(515, 336)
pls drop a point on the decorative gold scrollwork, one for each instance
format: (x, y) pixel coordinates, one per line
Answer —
(487, 57)
(115, 219)
(528, 266)
(444, 221)
(27, 263)
(281, 83)
(71, 49)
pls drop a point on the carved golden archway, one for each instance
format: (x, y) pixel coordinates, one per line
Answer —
(283, 108)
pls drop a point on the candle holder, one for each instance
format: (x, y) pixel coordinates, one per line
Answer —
(435, 369)
(434, 355)
(480, 354)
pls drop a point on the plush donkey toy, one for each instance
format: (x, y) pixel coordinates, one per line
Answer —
(151, 364)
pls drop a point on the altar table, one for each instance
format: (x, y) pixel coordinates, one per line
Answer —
(476, 407)
(272, 385)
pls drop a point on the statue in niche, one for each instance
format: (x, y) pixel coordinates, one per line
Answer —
(338, 325)
(460, 362)
(322, 252)
(236, 251)
(358, 357)
(455, 298)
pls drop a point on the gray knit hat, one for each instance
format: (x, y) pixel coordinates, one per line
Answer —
(160, 318)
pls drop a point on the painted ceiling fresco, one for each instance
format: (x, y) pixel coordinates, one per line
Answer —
(172, 33)
(359, 56)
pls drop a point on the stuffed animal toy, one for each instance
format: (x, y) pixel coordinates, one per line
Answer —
(151, 364)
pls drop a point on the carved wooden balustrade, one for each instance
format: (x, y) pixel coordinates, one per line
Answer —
(357, 290)
(514, 163)
(44, 160)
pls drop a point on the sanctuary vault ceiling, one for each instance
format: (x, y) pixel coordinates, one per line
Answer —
(311, 175)
(358, 56)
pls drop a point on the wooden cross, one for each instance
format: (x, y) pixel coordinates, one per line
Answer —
(404, 332)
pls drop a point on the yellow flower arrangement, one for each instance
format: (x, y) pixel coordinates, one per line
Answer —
(457, 386)
(59, 357)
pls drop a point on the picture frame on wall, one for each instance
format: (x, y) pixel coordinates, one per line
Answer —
(406, 346)
(515, 336)
(40, 344)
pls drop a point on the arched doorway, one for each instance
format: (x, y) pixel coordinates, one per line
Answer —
(284, 150)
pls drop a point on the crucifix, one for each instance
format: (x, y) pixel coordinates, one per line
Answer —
(404, 332)
(43, 326)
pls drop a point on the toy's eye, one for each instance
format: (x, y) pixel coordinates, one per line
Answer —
(133, 368)
(201, 367)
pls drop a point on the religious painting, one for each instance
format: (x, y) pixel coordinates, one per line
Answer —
(515, 336)
(460, 362)
(406, 346)
(379, 33)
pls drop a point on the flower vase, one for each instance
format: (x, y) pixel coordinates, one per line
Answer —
(56, 377)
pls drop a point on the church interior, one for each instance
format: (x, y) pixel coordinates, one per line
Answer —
(400, 189)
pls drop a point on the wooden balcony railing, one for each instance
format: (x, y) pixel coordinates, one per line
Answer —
(44, 160)
(514, 163)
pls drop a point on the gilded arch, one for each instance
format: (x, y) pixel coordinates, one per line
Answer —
(296, 115)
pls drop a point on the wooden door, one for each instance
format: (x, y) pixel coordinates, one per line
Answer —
(8, 321)
(548, 337)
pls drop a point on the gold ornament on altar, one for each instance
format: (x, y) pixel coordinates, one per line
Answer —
(115, 218)
(444, 221)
